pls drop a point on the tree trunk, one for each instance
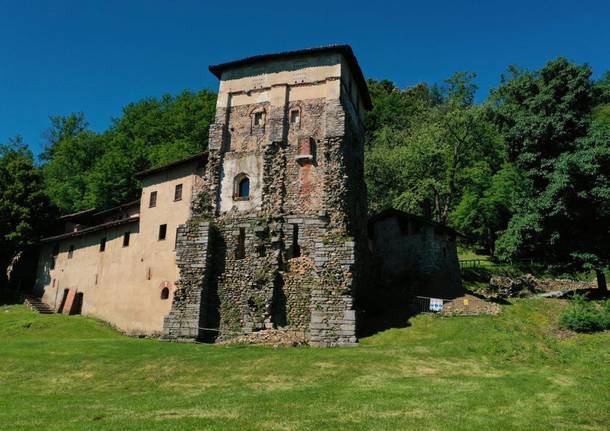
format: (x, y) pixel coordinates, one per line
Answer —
(601, 281)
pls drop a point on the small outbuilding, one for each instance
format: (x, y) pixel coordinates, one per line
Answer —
(415, 254)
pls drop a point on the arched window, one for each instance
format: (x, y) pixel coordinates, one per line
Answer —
(241, 189)
(244, 188)
(165, 293)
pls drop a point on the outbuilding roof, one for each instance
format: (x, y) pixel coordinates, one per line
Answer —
(345, 50)
(393, 212)
(202, 157)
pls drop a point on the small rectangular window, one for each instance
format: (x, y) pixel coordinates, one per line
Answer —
(71, 252)
(162, 232)
(295, 116)
(153, 200)
(178, 193)
(103, 244)
(176, 240)
(258, 119)
(126, 236)
(240, 250)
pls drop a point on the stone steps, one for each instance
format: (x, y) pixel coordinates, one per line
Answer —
(37, 305)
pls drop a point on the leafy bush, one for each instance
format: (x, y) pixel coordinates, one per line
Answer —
(605, 318)
(583, 315)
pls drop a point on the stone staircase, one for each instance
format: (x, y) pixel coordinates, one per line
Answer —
(35, 304)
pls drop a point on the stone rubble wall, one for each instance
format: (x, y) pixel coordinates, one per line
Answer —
(270, 288)
(333, 319)
(193, 257)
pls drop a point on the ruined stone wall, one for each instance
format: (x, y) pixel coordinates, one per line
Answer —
(193, 253)
(243, 135)
(247, 277)
(262, 276)
(305, 181)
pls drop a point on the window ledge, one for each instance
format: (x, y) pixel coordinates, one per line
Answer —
(304, 158)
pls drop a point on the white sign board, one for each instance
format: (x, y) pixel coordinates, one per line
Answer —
(436, 304)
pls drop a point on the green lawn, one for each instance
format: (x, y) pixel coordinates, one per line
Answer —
(506, 372)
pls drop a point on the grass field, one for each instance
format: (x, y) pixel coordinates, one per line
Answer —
(513, 371)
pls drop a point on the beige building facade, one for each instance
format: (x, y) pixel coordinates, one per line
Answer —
(119, 264)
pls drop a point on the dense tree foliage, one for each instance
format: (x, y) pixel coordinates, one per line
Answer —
(431, 147)
(562, 155)
(24, 207)
(84, 169)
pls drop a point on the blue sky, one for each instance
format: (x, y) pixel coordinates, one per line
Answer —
(59, 56)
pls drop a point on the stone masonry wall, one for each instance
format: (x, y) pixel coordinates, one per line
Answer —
(291, 263)
(193, 257)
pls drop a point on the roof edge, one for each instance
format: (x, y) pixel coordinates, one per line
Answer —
(203, 156)
(390, 212)
(91, 229)
(344, 49)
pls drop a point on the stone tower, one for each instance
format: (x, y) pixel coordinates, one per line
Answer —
(277, 238)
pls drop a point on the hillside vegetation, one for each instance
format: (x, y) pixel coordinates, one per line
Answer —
(513, 371)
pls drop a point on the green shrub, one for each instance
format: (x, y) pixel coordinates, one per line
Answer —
(583, 315)
(605, 318)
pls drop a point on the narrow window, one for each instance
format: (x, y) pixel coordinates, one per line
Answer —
(53, 283)
(103, 244)
(242, 187)
(71, 252)
(295, 116)
(296, 248)
(165, 293)
(153, 200)
(240, 251)
(126, 239)
(162, 232)
(96, 279)
(258, 119)
(176, 240)
(178, 193)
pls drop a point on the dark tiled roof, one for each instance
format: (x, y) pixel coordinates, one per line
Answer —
(117, 208)
(203, 157)
(91, 229)
(345, 50)
(77, 214)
